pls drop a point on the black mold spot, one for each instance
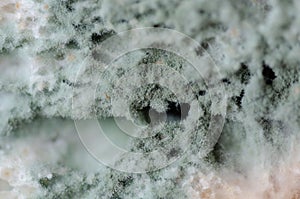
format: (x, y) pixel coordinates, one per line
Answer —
(202, 92)
(159, 136)
(80, 27)
(48, 182)
(60, 56)
(125, 182)
(65, 81)
(268, 74)
(225, 80)
(173, 153)
(201, 11)
(238, 99)
(123, 21)
(145, 13)
(205, 44)
(101, 36)
(158, 25)
(97, 20)
(199, 51)
(266, 125)
(138, 16)
(151, 56)
(72, 44)
(120, 72)
(244, 73)
(69, 5)
(115, 195)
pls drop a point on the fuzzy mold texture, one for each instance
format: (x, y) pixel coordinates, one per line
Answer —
(206, 91)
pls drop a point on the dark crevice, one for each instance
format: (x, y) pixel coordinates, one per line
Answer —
(175, 112)
(143, 114)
